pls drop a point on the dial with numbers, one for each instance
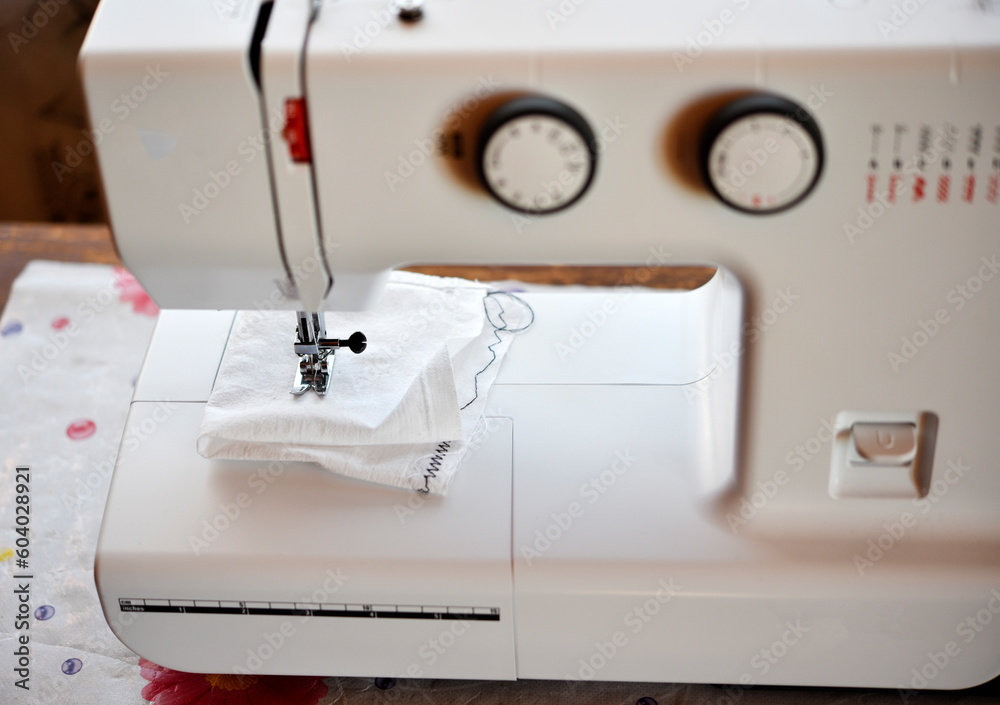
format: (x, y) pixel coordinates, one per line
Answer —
(536, 155)
(761, 154)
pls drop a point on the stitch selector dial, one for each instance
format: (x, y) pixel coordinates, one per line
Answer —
(536, 155)
(761, 154)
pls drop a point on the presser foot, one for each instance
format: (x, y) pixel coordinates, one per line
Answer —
(313, 373)
(316, 352)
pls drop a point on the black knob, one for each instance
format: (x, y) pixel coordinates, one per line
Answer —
(761, 154)
(357, 342)
(536, 155)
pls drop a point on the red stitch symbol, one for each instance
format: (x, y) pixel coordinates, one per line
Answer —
(893, 182)
(970, 187)
(944, 183)
(993, 189)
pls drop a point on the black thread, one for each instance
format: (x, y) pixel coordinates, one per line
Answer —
(434, 465)
(496, 332)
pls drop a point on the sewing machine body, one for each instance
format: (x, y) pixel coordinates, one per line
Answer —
(739, 537)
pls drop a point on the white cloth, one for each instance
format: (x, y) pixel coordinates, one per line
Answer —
(72, 339)
(393, 414)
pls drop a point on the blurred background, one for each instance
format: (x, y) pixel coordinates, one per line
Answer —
(49, 172)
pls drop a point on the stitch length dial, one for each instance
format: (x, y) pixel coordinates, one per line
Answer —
(536, 155)
(761, 154)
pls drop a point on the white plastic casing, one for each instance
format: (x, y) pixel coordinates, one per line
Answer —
(291, 535)
(182, 153)
(876, 295)
(837, 286)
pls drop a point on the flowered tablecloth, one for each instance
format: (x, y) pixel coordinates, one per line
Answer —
(72, 340)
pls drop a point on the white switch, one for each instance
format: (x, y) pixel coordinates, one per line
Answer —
(884, 443)
(882, 454)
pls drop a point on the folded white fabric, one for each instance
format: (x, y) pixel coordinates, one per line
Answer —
(402, 413)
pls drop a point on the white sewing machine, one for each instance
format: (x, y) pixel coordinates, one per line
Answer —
(789, 475)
